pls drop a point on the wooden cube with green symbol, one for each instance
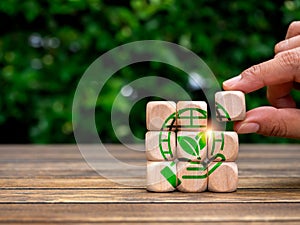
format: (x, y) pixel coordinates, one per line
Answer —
(230, 105)
(222, 146)
(160, 145)
(161, 176)
(192, 177)
(161, 115)
(191, 146)
(183, 154)
(192, 115)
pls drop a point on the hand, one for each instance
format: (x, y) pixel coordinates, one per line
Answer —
(280, 74)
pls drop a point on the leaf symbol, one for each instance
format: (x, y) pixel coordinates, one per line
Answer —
(189, 145)
(201, 137)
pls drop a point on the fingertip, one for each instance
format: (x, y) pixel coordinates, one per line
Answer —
(244, 127)
(231, 83)
(270, 121)
(237, 125)
(278, 48)
(248, 128)
(293, 30)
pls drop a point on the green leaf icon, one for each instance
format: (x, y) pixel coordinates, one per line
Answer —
(201, 137)
(189, 145)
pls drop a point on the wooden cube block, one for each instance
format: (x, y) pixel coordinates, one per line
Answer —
(224, 145)
(161, 115)
(222, 177)
(230, 105)
(160, 145)
(161, 176)
(192, 115)
(192, 177)
(191, 146)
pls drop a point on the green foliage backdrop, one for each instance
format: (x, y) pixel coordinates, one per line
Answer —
(45, 46)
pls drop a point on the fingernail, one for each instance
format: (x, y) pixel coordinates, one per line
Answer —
(247, 128)
(232, 81)
(282, 45)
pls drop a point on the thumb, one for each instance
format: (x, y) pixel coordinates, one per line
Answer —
(270, 121)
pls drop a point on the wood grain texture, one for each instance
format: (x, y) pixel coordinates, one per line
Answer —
(160, 222)
(230, 105)
(157, 114)
(161, 176)
(53, 184)
(127, 195)
(191, 115)
(224, 178)
(101, 183)
(225, 143)
(194, 180)
(101, 213)
(157, 141)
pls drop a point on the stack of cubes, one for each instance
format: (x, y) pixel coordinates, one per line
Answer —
(183, 154)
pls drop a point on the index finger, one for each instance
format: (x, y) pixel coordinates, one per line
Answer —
(283, 68)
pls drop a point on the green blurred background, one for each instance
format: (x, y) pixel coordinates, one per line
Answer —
(45, 47)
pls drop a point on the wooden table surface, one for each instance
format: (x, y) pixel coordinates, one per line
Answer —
(53, 184)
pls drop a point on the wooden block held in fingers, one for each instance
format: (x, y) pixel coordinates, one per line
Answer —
(160, 145)
(224, 145)
(222, 178)
(192, 115)
(161, 176)
(161, 115)
(230, 105)
(191, 146)
(192, 177)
